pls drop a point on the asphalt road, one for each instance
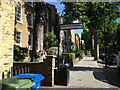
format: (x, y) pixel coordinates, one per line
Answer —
(111, 74)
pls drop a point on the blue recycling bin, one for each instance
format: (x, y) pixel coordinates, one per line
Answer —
(36, 78)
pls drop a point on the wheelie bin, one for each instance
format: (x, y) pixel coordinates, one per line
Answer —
(62, 75)
(15, 83)
(36, 78)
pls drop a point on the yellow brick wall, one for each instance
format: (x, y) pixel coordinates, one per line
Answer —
(7, 22)
(61, 40)
(73, 38)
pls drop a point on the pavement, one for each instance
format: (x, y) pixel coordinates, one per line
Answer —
(87, 74)
(90, 75)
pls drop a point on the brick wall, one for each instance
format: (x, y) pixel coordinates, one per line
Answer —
(7, 22)
(61, 40)
(45, 68)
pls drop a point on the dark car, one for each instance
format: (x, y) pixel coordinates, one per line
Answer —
(102, 55)
(112, 58)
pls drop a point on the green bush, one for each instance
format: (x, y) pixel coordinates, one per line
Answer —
(50, 39)
(86, 51)
(53, 51)
(71, 56)
(20, 53)
(81, 52)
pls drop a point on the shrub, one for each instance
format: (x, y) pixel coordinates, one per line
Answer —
(53, 51)
(20, 53)
(81, 52)
(86, 51)
(50, 39)
(71, 56)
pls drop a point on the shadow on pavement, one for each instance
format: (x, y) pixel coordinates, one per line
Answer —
(84, 69)
(110, 75)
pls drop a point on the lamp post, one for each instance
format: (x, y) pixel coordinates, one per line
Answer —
(105, 38)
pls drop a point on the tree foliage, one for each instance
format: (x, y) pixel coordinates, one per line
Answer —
(91, 14)
(20, 53)
(50, 39)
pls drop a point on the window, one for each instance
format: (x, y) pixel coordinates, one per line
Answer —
(19, 38)
(47, 28)
(30, 3)
(30, 20)
(30, 42)
(19, 14)
(47, 14)
(52, 29)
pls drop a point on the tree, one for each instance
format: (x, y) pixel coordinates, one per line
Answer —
(92, 17)
(37, 52)
(50, 40)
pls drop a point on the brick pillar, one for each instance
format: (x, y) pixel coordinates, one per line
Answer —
(53, 68)
(7, 22)
(51, 61)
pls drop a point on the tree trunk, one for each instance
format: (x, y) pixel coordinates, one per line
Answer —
(96, 57)
(38, 32)
(92, 43)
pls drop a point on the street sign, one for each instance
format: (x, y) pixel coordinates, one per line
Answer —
(71, 26)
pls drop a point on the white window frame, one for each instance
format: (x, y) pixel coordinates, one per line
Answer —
(31, 20)
(30, 46)
(31, 3)
(19, 44)
(52, 29)
(21, 16)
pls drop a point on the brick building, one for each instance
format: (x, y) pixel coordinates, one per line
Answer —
(24, 25)
(51, 23)
(7, 21)
(73, 39)
(77, 41)
(17, 27)
(67, 41)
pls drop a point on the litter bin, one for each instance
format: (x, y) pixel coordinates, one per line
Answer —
(62, 75)
(15, 83)
(36, 78)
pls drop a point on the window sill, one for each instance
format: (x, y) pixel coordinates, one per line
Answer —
(19, 22)
(18, 44)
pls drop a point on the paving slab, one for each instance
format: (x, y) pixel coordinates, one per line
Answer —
(87, 74)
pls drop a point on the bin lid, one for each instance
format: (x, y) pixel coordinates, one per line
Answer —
(63, 65)
(30, 76)
(14, 82)
(29, 85)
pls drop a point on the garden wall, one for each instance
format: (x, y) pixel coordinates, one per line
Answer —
(45, 68)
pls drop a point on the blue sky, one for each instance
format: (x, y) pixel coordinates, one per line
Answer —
(59, 6)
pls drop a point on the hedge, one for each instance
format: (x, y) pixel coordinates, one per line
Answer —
(71, 56)
(53, 51)
(81, 52)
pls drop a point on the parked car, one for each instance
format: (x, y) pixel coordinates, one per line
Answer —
(118, 62)
(112, 58)
(102, 55)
